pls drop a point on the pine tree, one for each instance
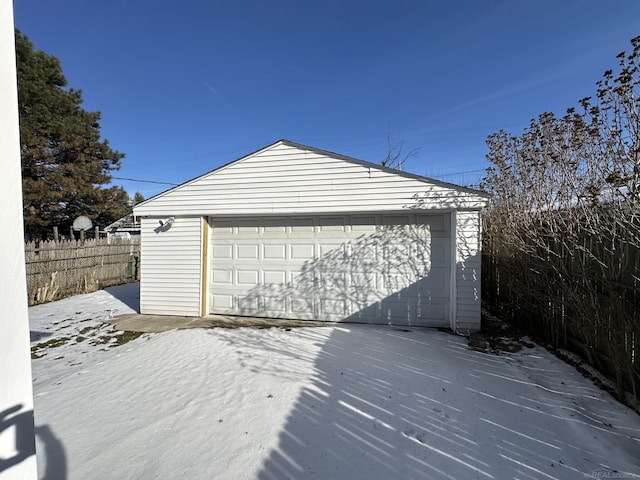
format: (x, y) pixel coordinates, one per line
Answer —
(138, 198)
(65, 162)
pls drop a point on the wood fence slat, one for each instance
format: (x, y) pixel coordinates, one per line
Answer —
(595, 316)
(60, 269)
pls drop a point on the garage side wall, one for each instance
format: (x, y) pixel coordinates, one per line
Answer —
(467, 295)
(171, 267)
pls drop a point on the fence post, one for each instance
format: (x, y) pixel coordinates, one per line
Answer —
(56, 237)
(56, 270)
(97, 232)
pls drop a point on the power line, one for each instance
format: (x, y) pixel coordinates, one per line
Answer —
(144, 181)
(459, 173)
(442, 175)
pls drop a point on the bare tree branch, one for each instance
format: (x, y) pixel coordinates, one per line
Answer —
(395, 158)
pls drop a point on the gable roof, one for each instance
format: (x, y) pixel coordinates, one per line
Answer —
(128, 221)
(287, 177)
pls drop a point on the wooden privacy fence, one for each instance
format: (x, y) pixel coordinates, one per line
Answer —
(59, 269)
(586, 300)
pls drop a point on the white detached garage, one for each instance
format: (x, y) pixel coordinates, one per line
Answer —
(295, 232)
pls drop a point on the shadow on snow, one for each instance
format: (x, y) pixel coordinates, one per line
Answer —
(390, 402)
(23, 424)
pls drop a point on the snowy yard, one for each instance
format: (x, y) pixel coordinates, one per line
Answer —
(342, 402)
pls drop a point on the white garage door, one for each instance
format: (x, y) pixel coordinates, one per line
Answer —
(392, 269)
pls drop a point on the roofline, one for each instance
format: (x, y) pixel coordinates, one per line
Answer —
(329, 153)
(221, 167)
(395, 171)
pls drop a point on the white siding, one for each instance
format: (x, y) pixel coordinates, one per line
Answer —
(171, 266)
(288, 179)
(467, 278)
(16, 397)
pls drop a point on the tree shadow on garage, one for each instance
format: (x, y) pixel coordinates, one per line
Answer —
(397, 275)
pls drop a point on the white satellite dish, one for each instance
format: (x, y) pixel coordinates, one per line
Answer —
(82, 224)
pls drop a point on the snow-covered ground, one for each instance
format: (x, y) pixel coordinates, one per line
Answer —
(341, 402)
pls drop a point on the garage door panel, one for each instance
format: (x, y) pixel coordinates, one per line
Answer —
(222, 301)
(368, 268)
(392, 282)
(333, 283)
(331, 307)
(274, 226)
(363, 280)
(331, 249)
(276, 305)
(395, 220)
(302, 251)
(276, 251)
(439, 255)
(224, 277)
(300, 280)
(247, 277)
(395, 253)
(430, 314)
(247, 252)
(436, 284)
(302, 226)
(221, 251)
(274, 277)
(301, 305)
(328, 226)
(248, 227)
(397, 311)
(369, 312)
(362, 252)
(249, 304)
(364, 223)
(222, 228)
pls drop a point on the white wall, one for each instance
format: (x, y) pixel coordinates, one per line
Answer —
(467, 276)
(171, 267)
(288, 179)
(17, 444)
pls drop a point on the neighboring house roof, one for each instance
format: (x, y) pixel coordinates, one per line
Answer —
(127, 222)
(288, 177)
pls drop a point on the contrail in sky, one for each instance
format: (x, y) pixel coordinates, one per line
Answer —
(216, 92)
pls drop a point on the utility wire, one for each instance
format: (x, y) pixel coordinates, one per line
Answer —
(459, 173)
(442, 175)
(144, 181)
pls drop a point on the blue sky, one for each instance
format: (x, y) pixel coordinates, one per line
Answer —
(185, 87)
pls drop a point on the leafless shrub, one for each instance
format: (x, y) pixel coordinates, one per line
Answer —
(563, 231)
